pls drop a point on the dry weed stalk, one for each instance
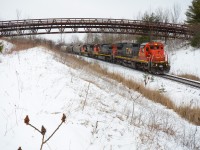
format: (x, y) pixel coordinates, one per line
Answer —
(86, 96)
(43, 130)
(190, 76)
(133, 106)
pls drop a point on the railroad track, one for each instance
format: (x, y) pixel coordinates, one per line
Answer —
(181, 80)
(185, 81)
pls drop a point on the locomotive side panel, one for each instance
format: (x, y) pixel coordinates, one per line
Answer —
(105, 49)
(76, 49)
(135, 49)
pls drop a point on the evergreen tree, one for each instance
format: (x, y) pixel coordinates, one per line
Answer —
(193, 13)
(148, 18)
(193, 19)
(143, 39)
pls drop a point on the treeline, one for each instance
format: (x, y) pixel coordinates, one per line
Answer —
(25, 42)
(159, 15)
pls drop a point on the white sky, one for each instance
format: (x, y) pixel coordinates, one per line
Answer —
(126, 9)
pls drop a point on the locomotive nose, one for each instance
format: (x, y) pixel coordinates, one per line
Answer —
(159, 56)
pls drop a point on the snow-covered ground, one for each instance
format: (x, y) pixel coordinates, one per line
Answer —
(185, 61)
(33, 83)
(180, 94)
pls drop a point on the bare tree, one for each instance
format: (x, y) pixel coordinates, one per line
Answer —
(89, 38)
(175, 13)
(75, 39)
(139, 16)
(162, 14)
(61, 39)
(18, 13)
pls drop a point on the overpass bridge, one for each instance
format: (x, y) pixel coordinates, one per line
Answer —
(11, 28)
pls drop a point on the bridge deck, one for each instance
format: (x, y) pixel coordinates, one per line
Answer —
(92, 25)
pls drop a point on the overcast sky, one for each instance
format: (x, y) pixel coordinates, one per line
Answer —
(126, 9)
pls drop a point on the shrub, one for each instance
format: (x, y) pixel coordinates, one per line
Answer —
(1, 47)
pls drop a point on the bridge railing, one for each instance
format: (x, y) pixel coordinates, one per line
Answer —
(104, 25)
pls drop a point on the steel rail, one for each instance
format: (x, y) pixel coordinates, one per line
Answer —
(93, 25)
(185, 81)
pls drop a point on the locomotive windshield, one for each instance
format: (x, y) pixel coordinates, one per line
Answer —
(154, 47)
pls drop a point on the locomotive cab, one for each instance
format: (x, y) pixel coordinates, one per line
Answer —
(158, 59)
(154, 55)
(83, 49)
(156, 52)
(96, 49)
(144, 52)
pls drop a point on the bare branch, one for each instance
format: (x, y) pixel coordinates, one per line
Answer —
(43, 130)
(86, 96)
(42, 142)
(53, 133)
(35, 128)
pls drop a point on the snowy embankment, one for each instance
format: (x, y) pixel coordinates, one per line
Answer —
(33, 83)
(185, 61)
(180, 94)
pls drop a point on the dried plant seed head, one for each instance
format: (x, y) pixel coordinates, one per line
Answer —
(63, 118)
(26, 120)
(43, 130)
(19, 148)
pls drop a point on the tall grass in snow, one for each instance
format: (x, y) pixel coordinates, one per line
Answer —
(187, 112)
(190, 76)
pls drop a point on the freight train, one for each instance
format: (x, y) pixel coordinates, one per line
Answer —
(149, 56)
